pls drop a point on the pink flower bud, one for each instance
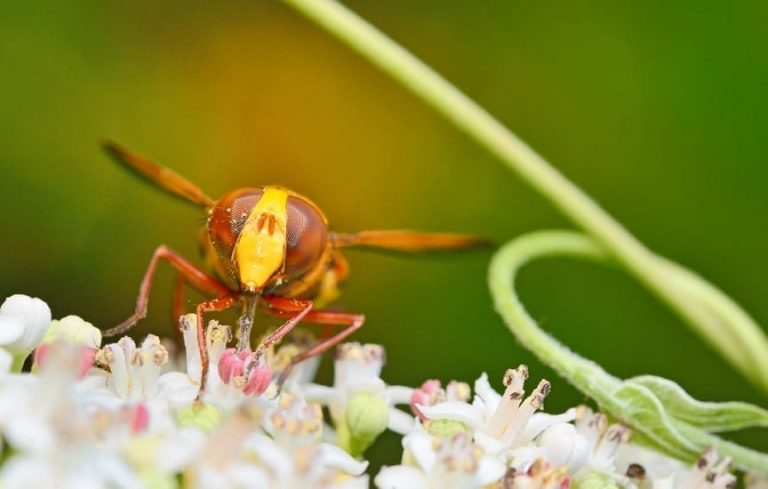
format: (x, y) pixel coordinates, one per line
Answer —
(258, 380)
(232, 364)
(426, 395)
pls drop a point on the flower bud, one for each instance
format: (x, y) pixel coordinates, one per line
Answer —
(232, 364)
(25, 320)
(596, 480)
(202, 416)
(258, 380)
(73, 329)
(446, 428)
(562, 445)
(366, 418)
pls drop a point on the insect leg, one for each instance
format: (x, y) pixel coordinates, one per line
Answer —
(296, 309)
(353, 322)
(194, 276)
(217, 304)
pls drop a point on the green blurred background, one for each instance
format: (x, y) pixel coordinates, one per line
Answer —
(658, 110)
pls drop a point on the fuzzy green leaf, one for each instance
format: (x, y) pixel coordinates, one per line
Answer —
(708, 416)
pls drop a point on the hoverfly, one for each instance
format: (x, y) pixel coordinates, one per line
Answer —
(269, 248)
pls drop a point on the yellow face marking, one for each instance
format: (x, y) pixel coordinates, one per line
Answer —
(260, 249)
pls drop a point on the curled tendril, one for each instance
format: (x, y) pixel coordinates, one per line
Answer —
(659, 410)
(661, 413)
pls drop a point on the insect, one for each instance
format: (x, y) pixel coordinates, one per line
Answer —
(268, 248)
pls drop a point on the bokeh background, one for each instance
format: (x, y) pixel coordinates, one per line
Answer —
(659, 110)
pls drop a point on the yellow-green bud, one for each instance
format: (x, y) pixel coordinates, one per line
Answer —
(595, 480)
(366, 418)
(446, 428)
(153, 479)
(202, 416)
(73, 329)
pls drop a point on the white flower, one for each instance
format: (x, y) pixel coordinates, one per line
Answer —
(181, 388)
(70, 468)
(357, 370)
(238, 456)
(292, 422)
(23, 322)
(604, 441)
(502, 423)
(562, 445)
(441, 463)
(133, 372)
(35, 408)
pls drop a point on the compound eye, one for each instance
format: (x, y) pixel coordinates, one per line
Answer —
(307, 236)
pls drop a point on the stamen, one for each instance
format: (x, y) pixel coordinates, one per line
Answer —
(514, 381)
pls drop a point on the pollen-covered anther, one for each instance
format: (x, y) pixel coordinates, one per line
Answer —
(218, 333)
(160, 355)
(355, 351)
(458, 391)
(104, 357)
(536, 399)
(636, 472)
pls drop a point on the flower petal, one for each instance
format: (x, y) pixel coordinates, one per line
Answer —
(11, 329)
(458, 411)
(334, 457)
(6, 360)
(399, 421)
(490, 470)
(485, 393)
(541, 421)
(401, 477)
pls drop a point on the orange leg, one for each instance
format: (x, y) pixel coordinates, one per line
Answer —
(280, 306)
(196, 278)
(296, 310)
(217, 304)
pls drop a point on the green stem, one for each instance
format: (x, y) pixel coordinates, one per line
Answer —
(626, 401)
(18, 362)
(714, 316)
(589, 377)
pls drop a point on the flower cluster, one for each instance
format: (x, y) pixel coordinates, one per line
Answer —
(128, 415)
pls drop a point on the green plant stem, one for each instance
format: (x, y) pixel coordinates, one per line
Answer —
(18, 362)
(628, 401)
(713, 315)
